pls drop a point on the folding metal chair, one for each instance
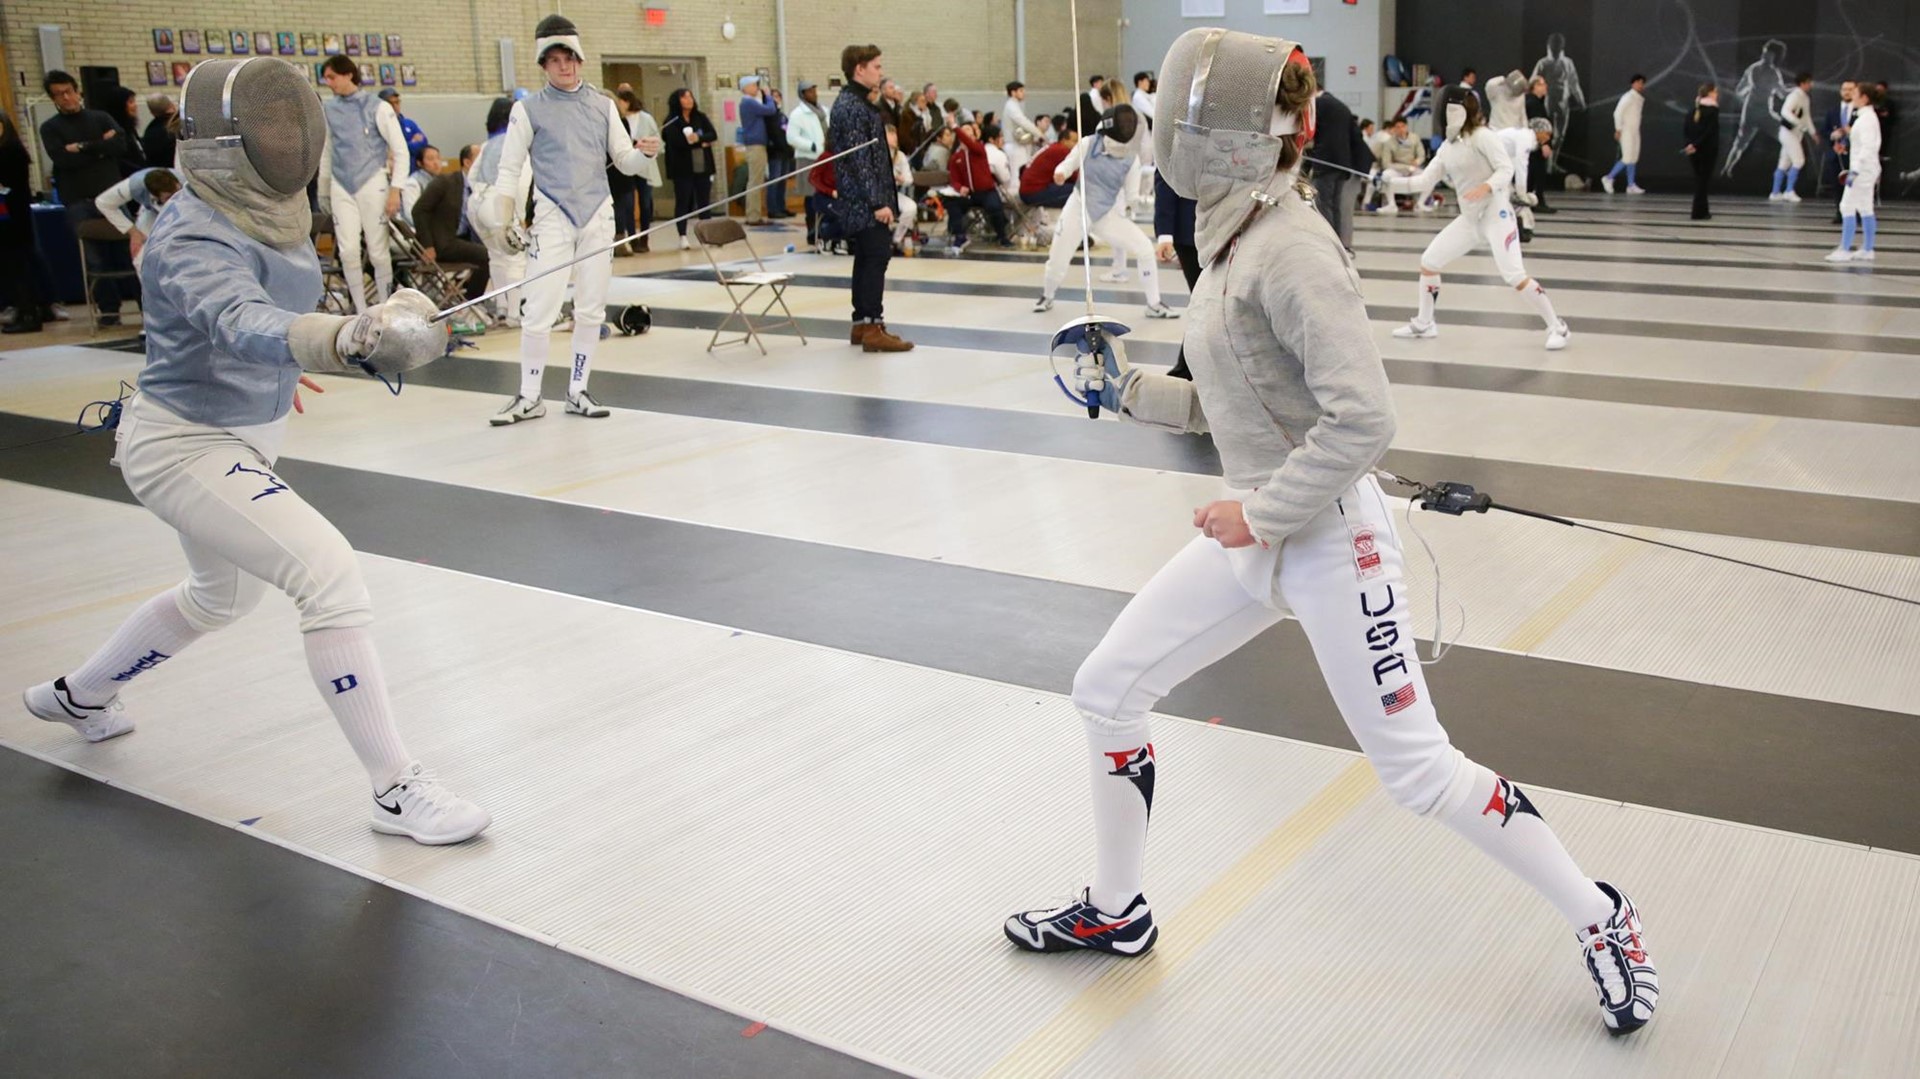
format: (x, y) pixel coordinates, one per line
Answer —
(334, 297)
(445, 283)
(101, 231)
(717, 234)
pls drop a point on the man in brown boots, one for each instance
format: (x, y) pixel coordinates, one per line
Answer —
(863, 206)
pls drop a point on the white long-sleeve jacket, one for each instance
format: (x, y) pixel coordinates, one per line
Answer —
(1626, 113)
(1465, 163)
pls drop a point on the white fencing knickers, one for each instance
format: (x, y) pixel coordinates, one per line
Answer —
(556, 241)
(1630, 146)
(1857, 196)
(1793, 152)
(1496, 228)
(1113, 228)
(357, 213)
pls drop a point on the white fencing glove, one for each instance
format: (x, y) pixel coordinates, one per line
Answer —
(396, 336)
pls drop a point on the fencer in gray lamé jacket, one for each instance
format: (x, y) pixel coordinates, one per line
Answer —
(218, 307)
(1285, 372)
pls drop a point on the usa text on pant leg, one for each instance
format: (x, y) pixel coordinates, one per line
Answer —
(1197, 609)
(1343, 576)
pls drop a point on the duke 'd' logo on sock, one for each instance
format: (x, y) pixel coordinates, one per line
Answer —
(343, 683)
(144, 663)
(1135, 765)
(1507, 800)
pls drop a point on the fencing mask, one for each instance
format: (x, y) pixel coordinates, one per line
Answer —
(1120, 124)
(251, 137)
(1455, 103)
(1219, 131)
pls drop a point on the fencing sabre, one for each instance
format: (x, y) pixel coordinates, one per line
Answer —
(504, 289)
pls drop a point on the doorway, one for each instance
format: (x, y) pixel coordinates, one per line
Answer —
(653, 79)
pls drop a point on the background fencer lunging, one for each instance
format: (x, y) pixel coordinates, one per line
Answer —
(1287, 379)
(558, 142)
(1473, 163)
(230, 285)
(367, 163)
(1103, 161)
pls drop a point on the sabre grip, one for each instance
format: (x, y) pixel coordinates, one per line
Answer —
(1455, 499)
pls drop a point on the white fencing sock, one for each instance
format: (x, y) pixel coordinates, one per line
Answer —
(533, 361)
(346, 670)
(1429, 295)
(151, 635)
(1537, 297)
(1121, 762)
(1492, 813)
(585, 337)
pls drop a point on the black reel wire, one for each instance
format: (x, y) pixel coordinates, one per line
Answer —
(96, 417)
(1455, 499)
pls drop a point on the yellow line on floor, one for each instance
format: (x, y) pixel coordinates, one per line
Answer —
(1556, 610)
(1742, 444)
(1078, 1025)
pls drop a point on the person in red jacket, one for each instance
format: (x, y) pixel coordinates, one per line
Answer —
(1036, 182)
(971, 176)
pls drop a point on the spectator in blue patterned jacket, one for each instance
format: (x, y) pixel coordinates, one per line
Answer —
(864, 204)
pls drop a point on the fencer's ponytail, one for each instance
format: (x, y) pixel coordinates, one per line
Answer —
(1474, 119)
(1295, 97)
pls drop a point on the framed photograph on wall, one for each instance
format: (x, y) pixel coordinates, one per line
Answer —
(240, 41)
(386, 75)
(393, 44)
(330, 44)
(309, 44)
(180, 69)
(216, 41)
(156, 72)
(320, 73)
(409, 75)
(263, 42)
(373, 44)
(162, 41)
(190, 41)
(283, 41)
(367, 73)
(352, 44)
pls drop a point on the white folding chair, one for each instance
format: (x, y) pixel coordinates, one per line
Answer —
(715, 235)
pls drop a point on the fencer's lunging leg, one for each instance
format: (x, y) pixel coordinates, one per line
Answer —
(1191, 614)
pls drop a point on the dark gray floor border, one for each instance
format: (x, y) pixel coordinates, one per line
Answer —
(144, 941)
(1178, 298)
(1759, 758)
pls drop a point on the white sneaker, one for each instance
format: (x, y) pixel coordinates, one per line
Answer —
(582, 404)
(1790, 196)
(1388, 208)
(1425, 206)
(97, 723)
(419, 808)
(685, 244)
(60, 314)
(1160, 310)
(1043, 304)
(1415, 329)
(1773, 196)
(1078, 925)
(1116, 275)
(1606, 184)
(1557, 337)
(1839, 254)
(519, 409)
(1865, 254)
(1617, 960)
(1636, 189)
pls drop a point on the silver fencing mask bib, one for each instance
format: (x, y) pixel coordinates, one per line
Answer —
(251, 138)
(1218, 134)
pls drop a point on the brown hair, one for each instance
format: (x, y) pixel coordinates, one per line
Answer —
(1869, 91)
(340, 65)
(161, 182)
(1297, 88)
(1474, 119)
(854, 56)
(1705, 89)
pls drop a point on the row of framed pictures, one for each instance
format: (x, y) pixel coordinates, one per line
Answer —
(160, 72)
(267, 43)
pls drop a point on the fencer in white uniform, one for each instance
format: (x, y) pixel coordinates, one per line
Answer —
(1796, 127)
(1024, 137)
(1475, 165)
(505, 263)
(1103, 160)
(367, 164)
(1626, 131)
(1861, 179)
(1519, 143)
(230, 287)
(148, 189)
(558, 142)
(1287, 379)
(1507, 101)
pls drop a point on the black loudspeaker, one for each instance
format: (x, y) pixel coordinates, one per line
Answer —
(96, 82)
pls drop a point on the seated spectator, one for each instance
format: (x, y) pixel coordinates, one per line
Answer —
(446, 237)
(1399, 153)
(971, 174)
(940, 152)
(1036, 184)
(427, 166)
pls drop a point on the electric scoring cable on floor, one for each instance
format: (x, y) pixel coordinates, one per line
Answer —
(106, 417)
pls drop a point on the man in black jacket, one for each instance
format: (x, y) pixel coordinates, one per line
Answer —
(1173, 238)
(1834, 163)
(157, 140)
(439, 218)
(1337, 142)
(864, 195)
(86, 147)
(1537, 167)
(1091, 106)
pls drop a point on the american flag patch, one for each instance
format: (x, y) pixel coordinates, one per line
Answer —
(1399, 699)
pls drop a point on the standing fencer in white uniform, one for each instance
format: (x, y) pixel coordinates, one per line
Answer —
(230, 286)
(558, 143)
(1103, 160)
(367, 163)
(505, 264)
(149, 189)
(1288, 380)
(1519, 143)
(1626, 131)
(1796, 127)
(1475, 165)
(1862, 177)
